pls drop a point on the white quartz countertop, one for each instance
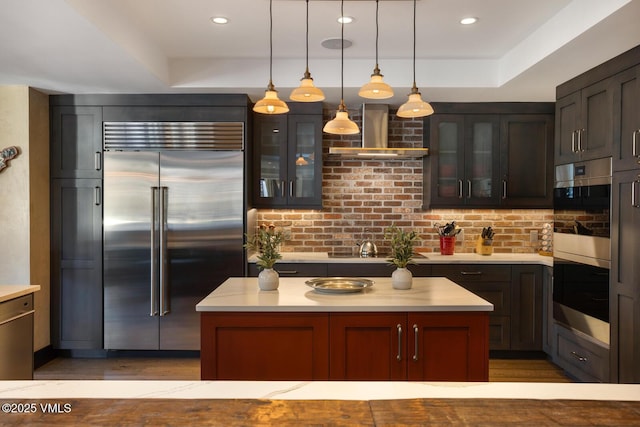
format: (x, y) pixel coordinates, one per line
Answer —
(425, 258)
(8, 292)
(293, 295)
(316, 390)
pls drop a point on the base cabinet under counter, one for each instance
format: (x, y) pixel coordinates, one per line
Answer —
(413, 346)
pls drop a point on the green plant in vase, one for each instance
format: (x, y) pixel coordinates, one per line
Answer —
(266, 243)
(401, 245)
(401, 255)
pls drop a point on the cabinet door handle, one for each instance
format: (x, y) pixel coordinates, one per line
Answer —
(573, 141)
(471, 273)
(460, 189)
(415, 342)
(504, 188)
(634, 191)
(98, 160)
(469, 188)
(97, 195)
(634, 143)
(287, 271)
(580, 147)
(578, 357)
(283, 188)
(291, 188)
(399, 355)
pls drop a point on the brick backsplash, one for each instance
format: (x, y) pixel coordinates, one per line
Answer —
(362, 197)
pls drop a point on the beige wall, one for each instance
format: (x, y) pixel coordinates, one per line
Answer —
(24, 198)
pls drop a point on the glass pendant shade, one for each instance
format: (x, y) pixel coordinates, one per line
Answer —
(341, 124)
(271, 104)
(415, 107)
(376, 88)
(307, 91)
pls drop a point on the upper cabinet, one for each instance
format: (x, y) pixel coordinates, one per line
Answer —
(489, 155)
(584, 123)
(76, 142)
(464, 160)
(526, 150)
(626, 114)
(287, 158)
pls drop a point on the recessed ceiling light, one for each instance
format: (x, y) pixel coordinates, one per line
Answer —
(468, 21)
(219, 20)
(345, 19)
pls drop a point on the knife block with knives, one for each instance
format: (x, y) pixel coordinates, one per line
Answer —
(484, 244)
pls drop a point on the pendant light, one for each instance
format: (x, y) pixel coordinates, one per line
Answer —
(307, 92)
(271, 104)
(415, 106)
(376, 88)
(341, 124)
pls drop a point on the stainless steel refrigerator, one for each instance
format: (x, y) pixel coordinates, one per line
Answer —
(173, 231)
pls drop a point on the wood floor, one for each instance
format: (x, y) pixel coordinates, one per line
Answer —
(500, 370)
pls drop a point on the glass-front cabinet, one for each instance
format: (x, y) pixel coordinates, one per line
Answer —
(288, 158)
(464, 156)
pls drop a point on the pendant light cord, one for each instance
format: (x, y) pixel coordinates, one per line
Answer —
(270, 43)
(377, 33)
(307, 37)
(414, 43)
(342, 52)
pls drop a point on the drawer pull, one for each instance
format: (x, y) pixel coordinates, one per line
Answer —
(287, 271)
(471, 273)
(578, 357)
(399, 356)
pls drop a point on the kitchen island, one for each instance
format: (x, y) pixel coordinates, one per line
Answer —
(435, 331)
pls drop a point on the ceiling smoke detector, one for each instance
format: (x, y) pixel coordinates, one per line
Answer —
(335, 43)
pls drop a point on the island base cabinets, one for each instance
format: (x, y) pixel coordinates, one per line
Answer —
(448, 346)
(259, 346)
(368, 346)
(409, 346)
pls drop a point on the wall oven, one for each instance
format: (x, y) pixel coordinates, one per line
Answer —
(581, 247)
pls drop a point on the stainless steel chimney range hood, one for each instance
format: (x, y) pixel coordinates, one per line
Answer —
(375, 136)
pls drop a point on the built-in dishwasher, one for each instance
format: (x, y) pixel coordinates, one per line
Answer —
(16, 338)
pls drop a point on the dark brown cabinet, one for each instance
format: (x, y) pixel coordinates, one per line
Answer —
(293, 269)
(464, 156)
(625, 277)
(494, 155)
(76, 142)
(370, 269)
(76, 226)
(584, 123)
(76, 263)
(287, 158)
(626, 113)
(516, 294)
(527, 313)
(526, 150)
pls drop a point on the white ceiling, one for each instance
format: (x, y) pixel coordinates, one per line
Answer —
(519, 50)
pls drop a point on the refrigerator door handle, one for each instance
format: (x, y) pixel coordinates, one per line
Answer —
(164, 289)
(154, 255)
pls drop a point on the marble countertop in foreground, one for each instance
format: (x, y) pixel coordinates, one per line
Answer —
(315, 390)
